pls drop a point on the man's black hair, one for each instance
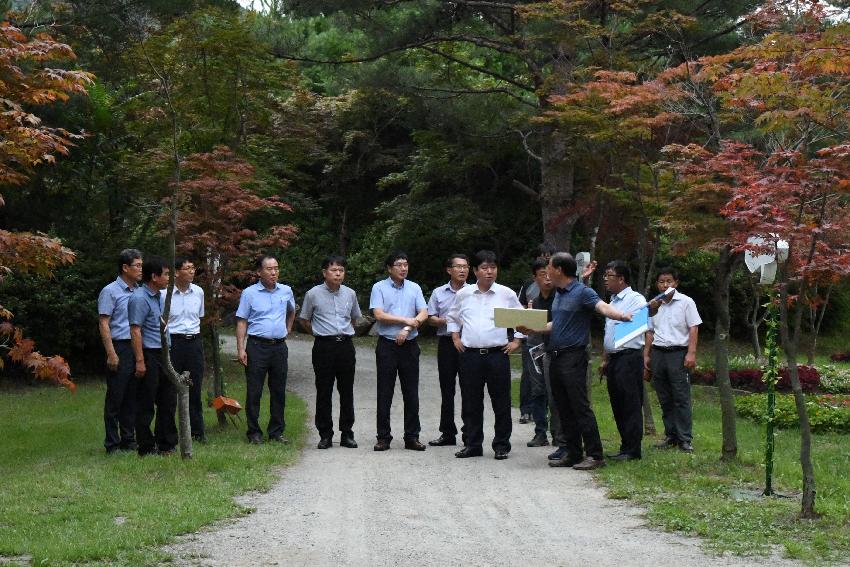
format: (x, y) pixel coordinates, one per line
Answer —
(451, 259)
(393, 256)
(546, 249)
(621, 269)
(153, 266)
(565, 262)
(538, 264)
(258, 263)
(180, 260)
(669, 270)
(484, 257)
(126, 258)
(333, 259)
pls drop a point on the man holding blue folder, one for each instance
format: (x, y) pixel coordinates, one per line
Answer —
(622, 363)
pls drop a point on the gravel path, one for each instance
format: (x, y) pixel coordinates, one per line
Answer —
(358, 507)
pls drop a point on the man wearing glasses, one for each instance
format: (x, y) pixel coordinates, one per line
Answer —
(623, 365)
(119, 410)
(448, 358)
(263, 320)
(400, 309)
(187, 347)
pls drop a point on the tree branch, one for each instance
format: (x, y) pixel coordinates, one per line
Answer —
(517, 184)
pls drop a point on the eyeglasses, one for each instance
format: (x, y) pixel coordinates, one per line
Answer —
(137, 265)
(611, 275)
(460, 267)
(400, 265)
(188, 269)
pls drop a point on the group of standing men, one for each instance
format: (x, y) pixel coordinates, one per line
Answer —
(470, 348)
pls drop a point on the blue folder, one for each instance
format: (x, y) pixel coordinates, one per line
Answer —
(627, 330)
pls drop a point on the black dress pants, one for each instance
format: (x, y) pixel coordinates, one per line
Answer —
(334, 360)
(119, 408)
(672, 383)
(265, 357)
(448, 367)
(493, 370)
(155, 395)
(625, 388)
(403, 361)
(568, 371)
(188, 354)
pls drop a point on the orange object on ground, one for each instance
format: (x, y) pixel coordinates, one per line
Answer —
(228, 405)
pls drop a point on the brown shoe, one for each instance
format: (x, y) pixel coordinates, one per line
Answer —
(668, 443)
(382, 445)
(589, 464)
(566, 461)
(413, 445)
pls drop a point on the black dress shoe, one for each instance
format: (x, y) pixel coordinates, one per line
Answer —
(382, 445)
(255, 439)
(467, 452)
(567, 461)
(347, 441)
(202, 439)
(686, 447)
(539, 441)
(413, 445)
(279, 439)
(325, 443)
(624, 457)
(525, 418)
(443, 440)
(501, 455)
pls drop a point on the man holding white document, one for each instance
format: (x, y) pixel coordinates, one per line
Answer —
(622, 362)
(484, 349)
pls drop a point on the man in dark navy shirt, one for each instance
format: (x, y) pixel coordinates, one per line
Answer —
(572, 313)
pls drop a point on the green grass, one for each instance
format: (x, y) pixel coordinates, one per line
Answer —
(720, 502)
(64, 501)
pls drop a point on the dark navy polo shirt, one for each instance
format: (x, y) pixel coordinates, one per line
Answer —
(572, 312)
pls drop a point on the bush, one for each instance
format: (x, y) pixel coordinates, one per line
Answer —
(750, 379)
(840, 356)
(834, 380)
(827, 412)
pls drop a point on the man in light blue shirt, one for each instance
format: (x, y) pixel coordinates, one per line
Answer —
(119, 408)
(154, 390)
(263, 320)
(623, 365)
(448, 358)
(399, 307)
(187, 346)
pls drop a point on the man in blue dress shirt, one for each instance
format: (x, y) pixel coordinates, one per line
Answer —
(154, 389)
(187, 347)
(448, 358)
(328, 312)
(119, 408)
(400, 309)
(263, 320)
(572, 312)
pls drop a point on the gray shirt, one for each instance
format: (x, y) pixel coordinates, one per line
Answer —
(331, 312)
(440, 302)
(627, 301)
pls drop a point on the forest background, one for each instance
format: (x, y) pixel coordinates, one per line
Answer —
(432, 126)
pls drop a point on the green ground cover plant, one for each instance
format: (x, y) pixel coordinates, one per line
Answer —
(64, 501)
(827, 412)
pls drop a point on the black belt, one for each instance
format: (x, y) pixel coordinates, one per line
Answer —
(624, 352)
(266, 341)
(670, 348)
(336, 338)
(487, 350)
(185, 336)
(120, 341)
(556, 352)
(408, 341)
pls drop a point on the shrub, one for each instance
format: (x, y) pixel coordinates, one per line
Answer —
(840, 356)
(834, 380)
(827, 412)
(750, 379)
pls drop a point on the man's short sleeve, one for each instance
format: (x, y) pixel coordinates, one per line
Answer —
(201, 291)
(589, 298)
(307, 306)
(105, 302)
(420, 300)
(376, 300)
(355, 307)
(244, 310)
(432, 303)
(137, 309)
(692, 317)
(290, 305)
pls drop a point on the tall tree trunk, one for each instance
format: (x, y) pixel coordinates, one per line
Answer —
(557, 191)
(218, 374)
(343, 232)
(817, 319)
(723, 277)
(790, 342)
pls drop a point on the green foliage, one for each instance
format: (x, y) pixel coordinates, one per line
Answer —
(834, 379)
(827, 412)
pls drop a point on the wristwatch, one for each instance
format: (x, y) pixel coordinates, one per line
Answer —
(407, 328)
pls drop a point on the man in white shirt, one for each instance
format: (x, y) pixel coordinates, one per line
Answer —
(484, 360)
(670, 354)
(623, 365)
(187, 346)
